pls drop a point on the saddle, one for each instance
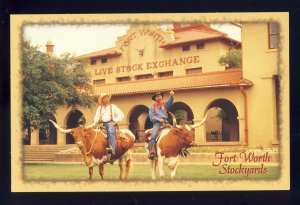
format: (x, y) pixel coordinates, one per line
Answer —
(147, 136)
(122, 143)
(122, 140)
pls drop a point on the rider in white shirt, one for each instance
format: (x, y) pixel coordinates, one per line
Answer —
(109, 115)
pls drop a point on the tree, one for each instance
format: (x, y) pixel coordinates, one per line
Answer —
(49, 81)
(232, 59)
(179, 116)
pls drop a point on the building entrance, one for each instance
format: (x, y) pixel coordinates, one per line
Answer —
(48, 136)
(73, 120)
(182, 112)
(139, 121)
(222, 124)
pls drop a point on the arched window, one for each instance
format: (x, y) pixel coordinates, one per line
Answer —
(182, 112)
(74, 118)
(222, 124)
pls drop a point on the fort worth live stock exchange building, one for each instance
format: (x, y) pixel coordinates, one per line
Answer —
(184, 58)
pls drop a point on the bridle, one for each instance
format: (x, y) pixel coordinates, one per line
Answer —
(188, 144)
(94, 140)
(185, 141)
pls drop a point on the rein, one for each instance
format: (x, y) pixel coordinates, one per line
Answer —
(92, 144)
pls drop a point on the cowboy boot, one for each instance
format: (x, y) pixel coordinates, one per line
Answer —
(108, 151)
(152, 153)
(109, 148)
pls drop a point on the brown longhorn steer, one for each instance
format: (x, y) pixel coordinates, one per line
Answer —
(170, 143)
(93, 144)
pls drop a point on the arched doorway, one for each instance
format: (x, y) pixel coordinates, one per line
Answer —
(75, 117)
(182, 112)
(139, 121)
(48, 136)
(222, 124)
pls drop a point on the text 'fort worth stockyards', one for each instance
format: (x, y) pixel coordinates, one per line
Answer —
(243, 163)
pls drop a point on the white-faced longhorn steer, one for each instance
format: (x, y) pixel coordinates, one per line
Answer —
(170, 143)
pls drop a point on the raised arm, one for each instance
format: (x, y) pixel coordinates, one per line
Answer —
(169, 101)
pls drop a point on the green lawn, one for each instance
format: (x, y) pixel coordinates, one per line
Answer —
(65, 172)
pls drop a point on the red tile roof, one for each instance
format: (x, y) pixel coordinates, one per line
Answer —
(105, 52)
(195, 35)
(228, 78)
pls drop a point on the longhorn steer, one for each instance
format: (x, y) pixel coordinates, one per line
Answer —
(170, 144)
(93, 144)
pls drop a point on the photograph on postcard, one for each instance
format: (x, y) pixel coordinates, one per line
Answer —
(144, 103)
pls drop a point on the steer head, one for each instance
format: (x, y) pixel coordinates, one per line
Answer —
(186, 132)
(79, 133)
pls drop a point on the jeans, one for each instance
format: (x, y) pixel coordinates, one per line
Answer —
(111, 134)
(155, 130)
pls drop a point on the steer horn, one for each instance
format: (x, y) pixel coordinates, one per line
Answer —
(61, 129)
(91, 125)
(174, 121)
(200, 123)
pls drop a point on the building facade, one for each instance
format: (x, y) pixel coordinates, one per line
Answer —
(242, 103)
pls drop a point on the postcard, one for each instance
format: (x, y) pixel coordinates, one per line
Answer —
(150, 102)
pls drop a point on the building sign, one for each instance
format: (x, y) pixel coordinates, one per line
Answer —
(149, 65)
(143, 32)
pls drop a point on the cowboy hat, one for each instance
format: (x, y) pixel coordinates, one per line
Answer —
(102, 96)
(156, 94)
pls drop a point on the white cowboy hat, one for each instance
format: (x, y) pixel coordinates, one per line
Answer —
(102, 96)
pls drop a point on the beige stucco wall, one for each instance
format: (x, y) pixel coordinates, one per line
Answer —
(259, 64)
(210, 55)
